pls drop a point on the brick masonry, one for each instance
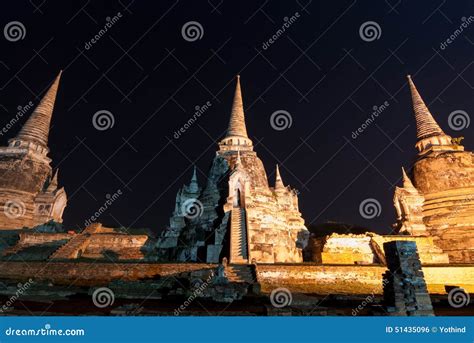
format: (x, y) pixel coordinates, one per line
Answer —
(300, 278)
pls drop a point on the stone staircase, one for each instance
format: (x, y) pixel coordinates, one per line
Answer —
(240, 273)
(72, 248)
(238, 236)
(76, 244)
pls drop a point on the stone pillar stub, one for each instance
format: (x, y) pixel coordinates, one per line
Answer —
(404, 286)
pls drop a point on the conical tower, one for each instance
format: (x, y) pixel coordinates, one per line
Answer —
(407, 184)
(236, 138)
(237, 118)
(192, 190)
(37, 191)
(242, 216)
(36, 128)
(278, 181)
(428, 132)
(193, 185)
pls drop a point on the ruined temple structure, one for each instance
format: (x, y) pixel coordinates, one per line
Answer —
(439, 202)
(241, 238)
(236, 214)
(29, 191)
(95, 242)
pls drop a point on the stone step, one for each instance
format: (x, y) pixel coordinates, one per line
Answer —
(240, 273)
(243, 275)
(238, 236)
(70, 249)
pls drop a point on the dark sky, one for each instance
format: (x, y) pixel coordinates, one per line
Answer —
(150, 78)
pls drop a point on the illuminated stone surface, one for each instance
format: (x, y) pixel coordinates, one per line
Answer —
(368, 249)
(240, 216)
(29, 191)
(443, 177)
(94, 242)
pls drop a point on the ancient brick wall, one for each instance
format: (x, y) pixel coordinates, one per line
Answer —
(94, 274)
(305, 278)
(118, 246)
(367, 249)
(32, 238)
(440, 172)
(351, 279)
(447, 182)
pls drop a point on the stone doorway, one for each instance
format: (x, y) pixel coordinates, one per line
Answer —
(238, 198)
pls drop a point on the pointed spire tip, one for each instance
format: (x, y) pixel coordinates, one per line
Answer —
(36, 128)
(406, 181)
(278, 181)
(426, 125)
(237, 117)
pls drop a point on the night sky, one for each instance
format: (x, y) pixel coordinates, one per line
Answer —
(150, 78)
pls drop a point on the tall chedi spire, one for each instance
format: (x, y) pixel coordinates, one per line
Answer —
(237, 118)
(428, 132)
(236, 138)
(36, 128)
